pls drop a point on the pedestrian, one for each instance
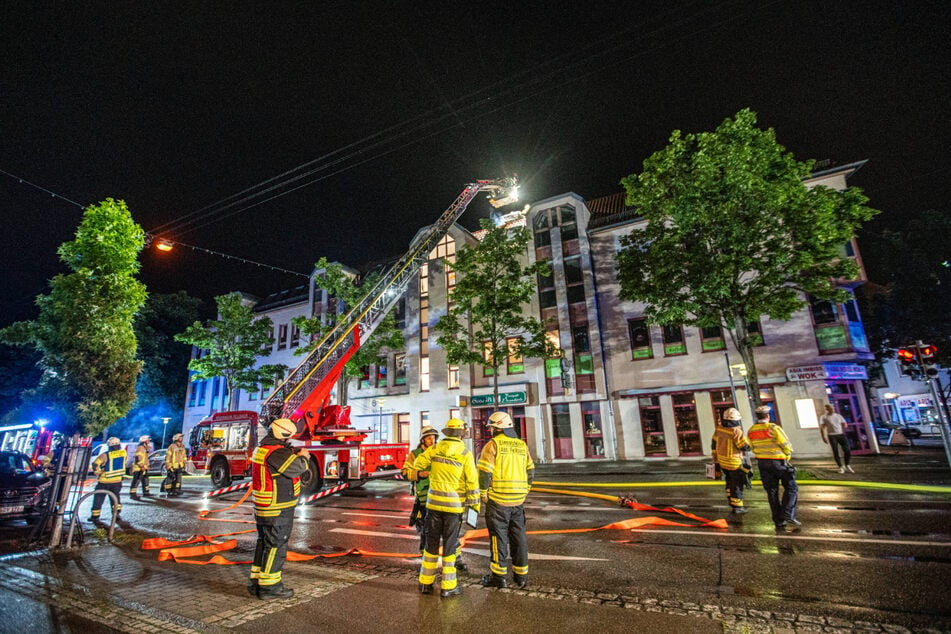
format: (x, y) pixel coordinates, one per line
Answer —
(419, 482)
(506, 472)
(730, 453)
(832, 427)
(276, 467)
(140, 466)
(175, 459)
(773, 453)
(108, 468)
(453, 486)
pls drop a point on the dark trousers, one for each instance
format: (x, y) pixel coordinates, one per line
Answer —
(173, 482)
(441, 528)
(99, 498)
(506, 526)
(735, 480)
(836, 441)
(773, 473)
(271, 550)
(140, 476)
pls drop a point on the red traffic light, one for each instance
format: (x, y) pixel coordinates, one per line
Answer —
(927, 352)
(906, 356)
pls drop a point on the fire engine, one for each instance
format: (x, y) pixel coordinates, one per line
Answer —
(222, 445)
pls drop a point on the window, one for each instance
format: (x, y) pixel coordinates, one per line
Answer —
(574, 280)
(755, 330)
(514, 361)
(202, 386)
(561, 430)
(423, 279)
(546, 290)
(424, 374)
(487, 356)
(295, 335)
(381, 372)
(399, 314)
(253, 393)
(652, 426)
(423, 419)
(402, 428)
(673, 340)
(364, 377)
(711, 338)
(639, 333)
(687, 424)
(851, 311)
(424, 326)
(593, 437)
(823, 312)
(192, 390)
(453, 377)
(399, 364)
(282, 337)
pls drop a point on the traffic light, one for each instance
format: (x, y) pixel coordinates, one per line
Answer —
(909, 361)
(926, 359)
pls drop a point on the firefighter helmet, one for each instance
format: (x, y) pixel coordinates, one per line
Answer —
(732, 414)
(455, 427)
(428, 431)
(283, 428)
(113, 442)
(177, 437)
(145, 439)
(501, 420)
(762, 409)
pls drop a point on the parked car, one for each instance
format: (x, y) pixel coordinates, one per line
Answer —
(157, 462)
(24, 489)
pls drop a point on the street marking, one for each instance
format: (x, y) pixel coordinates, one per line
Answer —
(537, 556)
(354, 531)
(396, 517)
(815, 538)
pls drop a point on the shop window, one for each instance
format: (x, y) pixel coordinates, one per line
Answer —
(687, 424)
(639, 332)
(561, 431)
(674, 344)
(402, 427)
(514, 362)
(652, 426)
(593, 436)
(711, 338)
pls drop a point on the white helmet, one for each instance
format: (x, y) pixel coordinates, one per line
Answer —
(501, 420)
(113, 441)
(283, 428)
(145, 439)
(177, 437)
(732, 414)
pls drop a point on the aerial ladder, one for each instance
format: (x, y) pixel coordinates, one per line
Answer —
(303, 394)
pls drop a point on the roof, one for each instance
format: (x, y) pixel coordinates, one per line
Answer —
(286, 297)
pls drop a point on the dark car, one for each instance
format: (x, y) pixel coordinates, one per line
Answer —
(157, 462)
(24, 488)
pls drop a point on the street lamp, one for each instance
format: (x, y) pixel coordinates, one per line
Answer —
(164, 427)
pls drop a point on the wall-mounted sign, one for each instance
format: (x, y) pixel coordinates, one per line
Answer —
(505, 398)
(828, 371)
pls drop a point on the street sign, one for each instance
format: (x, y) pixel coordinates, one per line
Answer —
(505, 398)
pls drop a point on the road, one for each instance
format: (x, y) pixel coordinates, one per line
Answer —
(860, 553)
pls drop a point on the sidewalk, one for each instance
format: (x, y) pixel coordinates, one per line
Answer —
(120, 588)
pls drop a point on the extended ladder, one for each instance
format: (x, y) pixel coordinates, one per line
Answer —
(306, 388)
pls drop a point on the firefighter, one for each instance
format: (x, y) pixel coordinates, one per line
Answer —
(506, 472)
(108, 467)
(175, 459)
(419, 482)
(276, 468)
(731, 455)
(773, 452)
(453, 486)
(140, 466)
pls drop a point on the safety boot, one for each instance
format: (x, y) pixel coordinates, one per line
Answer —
(520, 581)
(425, 588)
(451, 593)
(492, 581)
(274, 592)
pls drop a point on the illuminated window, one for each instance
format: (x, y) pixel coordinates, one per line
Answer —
(514, 362)
(424, 374)
(487, 356)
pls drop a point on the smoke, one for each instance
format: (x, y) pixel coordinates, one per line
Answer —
(147, 420)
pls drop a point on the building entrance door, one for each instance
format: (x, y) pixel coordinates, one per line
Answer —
(844, 398)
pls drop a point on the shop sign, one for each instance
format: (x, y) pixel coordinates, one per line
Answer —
(807, 373)
(923, 401)
(505, 398)
(827, 371)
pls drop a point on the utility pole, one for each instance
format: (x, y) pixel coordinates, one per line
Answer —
(924, 354)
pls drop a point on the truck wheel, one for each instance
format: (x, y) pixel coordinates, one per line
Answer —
(310, 480)
(220, 473)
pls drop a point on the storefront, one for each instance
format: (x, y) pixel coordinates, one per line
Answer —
(844, 386)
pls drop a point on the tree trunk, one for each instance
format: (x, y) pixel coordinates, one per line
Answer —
(740, 335)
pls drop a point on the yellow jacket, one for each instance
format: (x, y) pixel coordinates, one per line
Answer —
(176, 457)
(110, 466)
(453, 479)
(506, 470)
(728, 443)
(141, 459)
(769, 442)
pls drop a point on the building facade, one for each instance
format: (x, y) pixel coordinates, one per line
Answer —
(624, 389)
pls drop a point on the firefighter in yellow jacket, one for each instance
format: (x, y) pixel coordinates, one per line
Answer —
(109, 468)
(453, 486)
(506, 472)
(276, 468)
(420, 483)
(175, 459)
(730, 454)
(140, 466)
(773, 452)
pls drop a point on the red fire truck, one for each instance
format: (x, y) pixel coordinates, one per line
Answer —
(221, 446)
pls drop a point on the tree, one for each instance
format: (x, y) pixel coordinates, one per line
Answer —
(347, 291)
(84, 330)
(232, 343)
(733, 234)
(160, 391)
(486, 315)
(911, 285)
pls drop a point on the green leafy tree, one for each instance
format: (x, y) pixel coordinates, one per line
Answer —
(84, 331)
(733, 234)
(347, 291)
(232, 344)
(909, 292)
(492, 287)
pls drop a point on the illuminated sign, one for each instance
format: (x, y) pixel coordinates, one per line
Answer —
(505, 398)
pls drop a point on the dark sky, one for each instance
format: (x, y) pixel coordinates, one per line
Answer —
(392, 107)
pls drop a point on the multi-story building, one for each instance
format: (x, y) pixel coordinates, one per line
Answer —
(633, 390)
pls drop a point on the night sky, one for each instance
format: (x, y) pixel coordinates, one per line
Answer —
(383, 111)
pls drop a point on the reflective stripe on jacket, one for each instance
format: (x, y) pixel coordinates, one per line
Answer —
(176, 457)
(420, 485)
(727, 445)
(275, 477)
(505, 469)
(453, 479)
(110, 466)
(769, 442)
(141, 459)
